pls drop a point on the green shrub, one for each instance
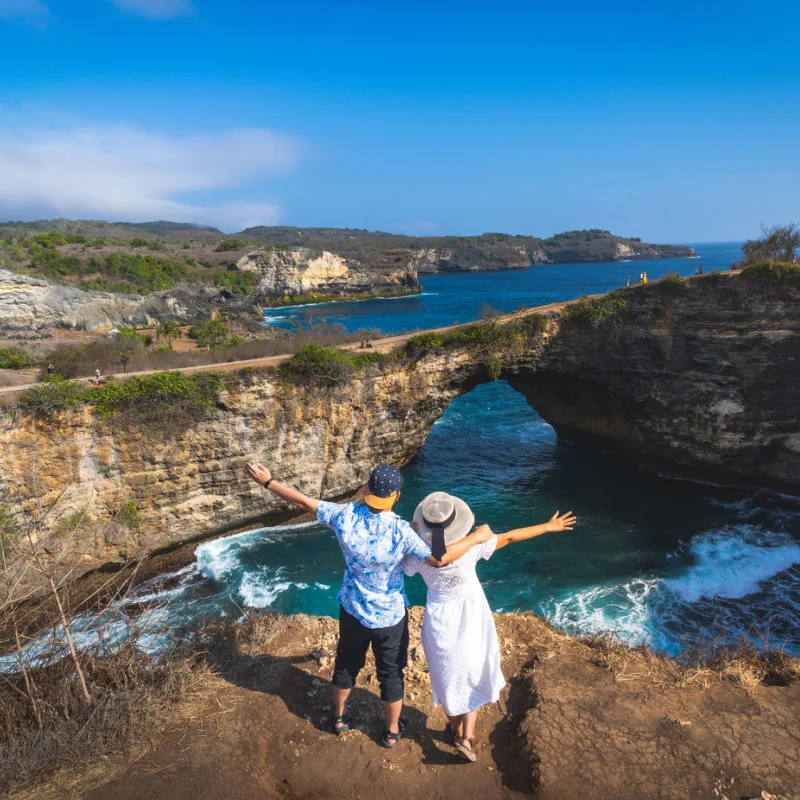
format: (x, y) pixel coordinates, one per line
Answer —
(226, 245)
(495, 366)
(213, 333)
(129, 515)
(775, 272)
(16, 358)
(608, 309)
(672, 283)
(237, 282)
(138, 241)
(54, 395)
(316, 365)
(155, 394)
(419, 346)
(69, 523)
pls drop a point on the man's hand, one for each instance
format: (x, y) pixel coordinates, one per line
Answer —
(482, 534)
(565, 522)
(259, 473)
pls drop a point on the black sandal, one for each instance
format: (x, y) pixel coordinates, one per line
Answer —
(342, 724)
(390, 739)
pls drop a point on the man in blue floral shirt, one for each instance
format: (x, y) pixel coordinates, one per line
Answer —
(372, 612)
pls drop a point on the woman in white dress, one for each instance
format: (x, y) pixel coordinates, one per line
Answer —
(458, 634)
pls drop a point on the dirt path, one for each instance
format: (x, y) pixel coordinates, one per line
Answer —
(380, 345)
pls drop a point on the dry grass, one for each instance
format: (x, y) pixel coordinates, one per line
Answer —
(742, 663)
(50, 727)
(81, 361)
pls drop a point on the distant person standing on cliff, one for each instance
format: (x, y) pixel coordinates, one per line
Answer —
(627, 280)
(372, 612)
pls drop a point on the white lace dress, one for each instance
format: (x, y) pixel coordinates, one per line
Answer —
(458, 633)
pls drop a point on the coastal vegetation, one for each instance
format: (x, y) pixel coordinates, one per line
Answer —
(16, 358)
(487, 341)
(608, 309)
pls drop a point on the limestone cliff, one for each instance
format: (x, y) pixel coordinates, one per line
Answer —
(701, 377)
(29, 304)
(301, 271)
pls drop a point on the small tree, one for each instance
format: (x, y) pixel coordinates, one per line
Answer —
(169, 330)
(776, 244)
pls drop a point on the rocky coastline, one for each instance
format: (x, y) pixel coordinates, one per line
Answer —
(692, 376)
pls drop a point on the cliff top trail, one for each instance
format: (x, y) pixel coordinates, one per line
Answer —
(578, 719)
(383, 345)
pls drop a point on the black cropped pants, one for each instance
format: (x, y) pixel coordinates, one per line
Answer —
(389, 646)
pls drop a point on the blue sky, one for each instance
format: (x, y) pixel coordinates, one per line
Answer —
(672, 122)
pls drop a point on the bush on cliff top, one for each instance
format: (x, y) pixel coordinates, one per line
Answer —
(608, 309)
(774, 272)
(54, 395)
(154, 394)
(316, 365)
(158, 397)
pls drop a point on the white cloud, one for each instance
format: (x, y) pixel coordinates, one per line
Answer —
(157, 9)
(118, 172)
(31, 10)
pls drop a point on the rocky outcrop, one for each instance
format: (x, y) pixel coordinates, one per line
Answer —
(299, 271)
(29, 304)
(32, 304)
(699, 377)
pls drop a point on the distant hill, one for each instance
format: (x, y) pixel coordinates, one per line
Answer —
(93, 229)
(488, 251)
(145, 257)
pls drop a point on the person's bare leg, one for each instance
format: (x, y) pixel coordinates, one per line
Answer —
(340, 700)
(468, 725)
(393, 711)
(456, 724)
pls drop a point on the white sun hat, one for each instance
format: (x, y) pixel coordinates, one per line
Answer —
(443, 512)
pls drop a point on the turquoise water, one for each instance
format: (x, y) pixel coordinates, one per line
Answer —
(666, 562)
(458, 297)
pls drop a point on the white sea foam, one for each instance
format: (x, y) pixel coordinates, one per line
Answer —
(733, 563)
(738, 582)
(619, 608)
(259, 590)
(219, 557)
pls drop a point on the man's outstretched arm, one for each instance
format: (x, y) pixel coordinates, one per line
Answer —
(260, 474)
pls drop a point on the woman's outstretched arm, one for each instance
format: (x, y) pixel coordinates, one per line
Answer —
(556, 523)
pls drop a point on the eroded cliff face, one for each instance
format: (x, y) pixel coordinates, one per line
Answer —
(32, 304)
(299, 271)
(190, 483)
(703, 378)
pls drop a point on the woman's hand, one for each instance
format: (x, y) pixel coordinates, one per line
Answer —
(259, 473)
(565, 522)
(482, 534)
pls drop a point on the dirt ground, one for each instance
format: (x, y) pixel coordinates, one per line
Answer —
(577, 720)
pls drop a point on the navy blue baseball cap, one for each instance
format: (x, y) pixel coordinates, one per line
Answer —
(384, 487)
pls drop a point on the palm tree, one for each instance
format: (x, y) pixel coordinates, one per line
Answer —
(169, 330)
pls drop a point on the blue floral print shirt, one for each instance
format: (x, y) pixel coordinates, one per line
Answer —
(374, 547)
